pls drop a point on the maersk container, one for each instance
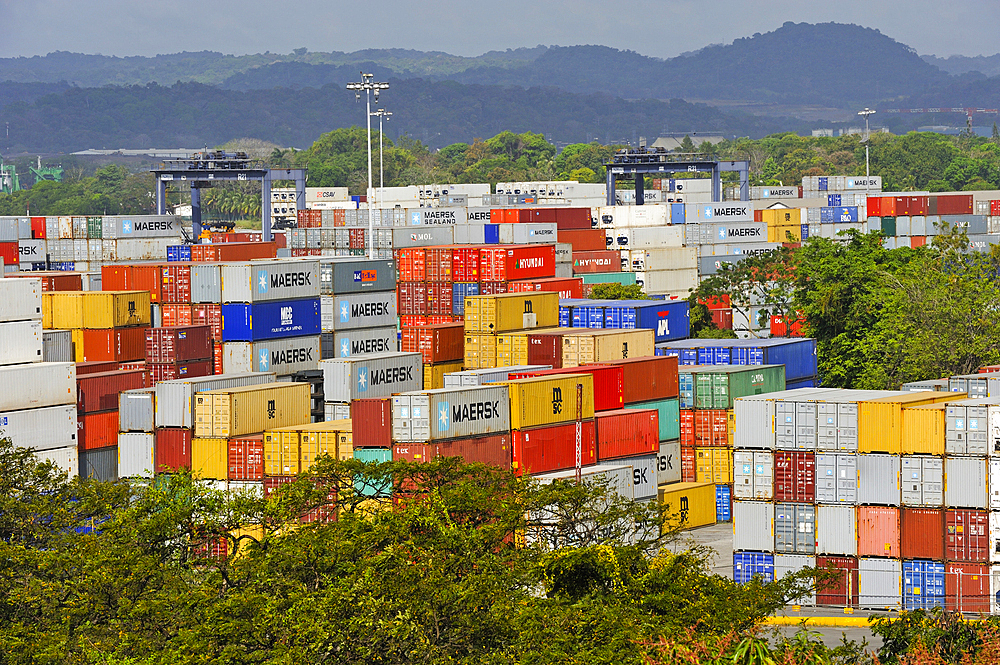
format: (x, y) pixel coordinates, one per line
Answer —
(40, 429)
(22, 341)
(359, 310)
(20, 300)
(57, 346)
(922, 480)
(878, 480)
(477, 377)
(753, 474)
(36, 385)
(976, 385)
(281, 356)
(140, 226)
(450, 413)
(175, 398)
(753, 525)
(967, 429)
(619, 477)
(836, 530)
(667, 319)
(668, 463)
(965, 482)
(716, 387)
(794, 528)
(340, 276)
(242, 322)
(365, 340)
(748, 565)
(137, 410)
(373, 375)
(260, 281)
(880, 583)
(923, 584)
(837, 479)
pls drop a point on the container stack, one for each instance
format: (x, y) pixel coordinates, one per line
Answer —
(489, 318)
(798, 355)
(442, 346)
(176, 352)
(98, 417)
(359, 307)
(366, 377)
(912, 220)
(107, 326)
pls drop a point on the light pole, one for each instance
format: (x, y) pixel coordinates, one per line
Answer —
(368, 84)
(867, 112)
(381, 113)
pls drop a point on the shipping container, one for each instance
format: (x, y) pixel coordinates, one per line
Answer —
(753, 525)
(598, 346)
(545, 449)
(546, 348)
(251, 409)
(97, 430)
(177, 344)
(608, 384)
(243, 322)
(359, 310)
(668, 463)
(922, 481)
(647, 378)
(967, 427)
(246, 457)
(365, 340)
(967, 535)
(136, 410)
(786, 564)
(880, 583)
(967, 588)
(880, 420)
(923, 584)
(99, 464)
(836, 530)
(450, 413)
(20, 300)
(99, 392)
(156, 372)
(41, 428)
(692, 504)
(549, 400)
(748, 565)
(511, 311)
(716, 387)
(878, 531)
(281, 356)
(713, 465)
(260, 281)
(837, 478)
(516, 262)
(843, 589)
(371, 376)
(37, 384)
(135, 454)
(753, 474)
(476, 377)
(173, 449)
(878, 480)
(794, 477)
(965, 482)
(437, 343)
(376, 415)
(794, 528)
(111, 344)
(22, 342)
(923, 429)
(922, 533)
(175, 399)
(626, 433)
(57, 346)
(434, 374)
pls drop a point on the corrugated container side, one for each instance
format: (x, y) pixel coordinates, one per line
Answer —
(547, 400)
(646, 379)
(967, 535)
(37, 385)
(100, 464)
(99, 392)
(691, 504)
(135, 454)
(880, 583)
(376, 416)
(967, 588)
(137, 410)
(547, 449)
(175, 399)
(753, 525)
(878, 531)
(97, 430)
(922, 533)
(625, 433)
(836, 530)
(251, 409)
(966, 484)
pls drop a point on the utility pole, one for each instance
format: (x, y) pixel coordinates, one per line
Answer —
(368, 84)
(381, 113)
(867, 112)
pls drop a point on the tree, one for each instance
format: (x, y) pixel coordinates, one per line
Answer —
(686, 146)
(616, 291)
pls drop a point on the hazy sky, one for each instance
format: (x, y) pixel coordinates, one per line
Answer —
(660, 28)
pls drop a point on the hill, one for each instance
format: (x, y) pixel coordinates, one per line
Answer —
(987, 65)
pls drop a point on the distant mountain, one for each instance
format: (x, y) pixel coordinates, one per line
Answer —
(987, 65)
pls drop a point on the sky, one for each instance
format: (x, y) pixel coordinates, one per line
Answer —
(659, 28)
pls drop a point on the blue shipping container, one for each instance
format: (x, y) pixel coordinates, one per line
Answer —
(668, 319)
(459, 291)
(588, 316)
(797, 354)
(838, 215)
(833, 200)
(723, 503)
(811, 382)
(824, 183)
(677, 213)
(565, 316)
(714, 355)
(242, 322)
(804, 232)
(746, 565)
(491, 234)
(923, 584)
(179, 253)
(685, 382)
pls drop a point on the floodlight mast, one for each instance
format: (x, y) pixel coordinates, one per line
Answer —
(368, 84)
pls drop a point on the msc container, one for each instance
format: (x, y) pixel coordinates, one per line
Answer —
(922, 533)
(748, 565)
(626, 433)
(785, 564)
(794, 477)
(358, 310)
(36, 385)
(837, 478)
(836, 530)
(135, 454)
(967, 427)
(842, 590)
(923, 584)
(753, 474)
(599, 346)
(100, 464)
(137, 410)
(693, 504)
(967, 588)
(251, 409)
(922, 481)
(175, 399)
(371, 375)
(511, 311)
(57, 346)
(794, 528)
(647, 379)
(259, 281)
(20, 300)
(753, 525)
(878, 531)
(242, 322)
(967, 535)
(22, 341)
(476, 377)
(99, 392)
(923, 429)
(965, 482)
(668, 463)
(880, 420)
(281, 356)
(879, 583)
(878, 480)
(552, 448)
(608, 383)
(450, 413)
(549, 400)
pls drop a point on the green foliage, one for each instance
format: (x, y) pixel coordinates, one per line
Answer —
(615, 291)
(111, 191)
(945, 634)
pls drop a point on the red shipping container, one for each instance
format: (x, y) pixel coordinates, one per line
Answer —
(10, 253)
(175, 315)
(608, 383)
(546, 348)
(178, 344)
(83, 369)
(492, 288)
(921, 533)
(542, 215)
(114, 277)
(553, 448)
(758, 215)
(411, 264)
(217, 358)
(173, 449)
(438, 319)
(967, 535)
(492, 449)
(179, 370)
(327, 513)
(794, 476)
(439, 299)
(627, 432)
(584, 240)
(438, 261)
(711, 428)
(994, 208)
(97, 430)
(438, 343)
(234, 251)
(601, 261)
(508, 263)
(465, 264)
(135, 364)
(686, 423)
(954, 204)
(988, 369)
(414, 452)
(780, 329)
(376, 416)
(648, 378)
(967, 587)
(208, 315)
(114, 344)
(874, 206)
(38, 228)
(176, 283)
(722, 318)
(918, 241)
(412, 297)
(878, 531)
(99, 392)
(573, 218)
(144, 277)
(918, 205)
(716, 302)
(566, 287)
(844, 589)
(246, 457)
(688, 464)
(888, 206)
(413, 320)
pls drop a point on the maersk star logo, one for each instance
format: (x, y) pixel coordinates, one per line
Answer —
(708, 212)
(722, 233)
(362, 379)
(443, 416)
(265, 360)
(345, 311)
(262, 281)
(345, 348)
(127, 226)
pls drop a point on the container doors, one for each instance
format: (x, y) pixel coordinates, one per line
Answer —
(954, 436)
(763, 475)
(977, 430)
(994, 484)
(743, 474)
(826, 478)
(784, 425)
(847, 426)
(805, 425)
(826, 426)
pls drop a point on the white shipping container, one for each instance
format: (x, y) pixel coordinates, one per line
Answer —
(836, 530)
(175, 398)
(20, 300)
(137, 410)
(618, 476)
(755, 416)
(135, 454)
(666, 258)
(672, 282)
(40, 429)
(31, 251)
(753, 526)
(836, 478)
(450, 413)
(880, 583)
(479, 377)
(20, 341)
(668, 463)
(66, 458)
(358, 310)
(753, 474)
(260, 281)
(922, 481)
(878, 480)
(524, 234)
(282, 356)
(139, 226)
(965, 482)
(422, 236)
(142, 249)
(728, 211)
(371, 375)
(643, 474)
(785, 564)
(336, 411)
(37, 385)
(657, 237)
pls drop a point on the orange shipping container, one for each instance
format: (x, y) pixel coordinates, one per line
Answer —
(113, 344)
(878, 531)
(97, 430)
(438, 343)
(711, 428)
(922, 533)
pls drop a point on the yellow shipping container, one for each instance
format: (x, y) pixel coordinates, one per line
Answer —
(692, 503)
(480, 351)
(880, 421)
(923, 429)
(731, 426)
(511, 311)
(47, 310)
(512, 348)
(603, 345)
(66, 309)
(713, 465)
(251, 409)
(210, 458)
(547, 400)
(782, 233)
(116, 309)
(78, 351)
(434, 374)
(292, 450)
(782, 216)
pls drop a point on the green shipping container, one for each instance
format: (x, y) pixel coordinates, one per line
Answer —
(379, 456)
(95, 228)
(670, 416)
(889, 226)
(623, 278)
(717, 386)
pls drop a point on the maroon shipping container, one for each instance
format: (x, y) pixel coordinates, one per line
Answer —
(439, 299)
(99, 392)
(573, 218)
(967, 535)
(114, 344)
(374, 418)
(599, 261)
(584, 240)
(439, 343)
(412, 297)
(921, 533)
(542, 215)
(173, 449)
(178, 343)
(97, 430)
(492, 288)
(967, 587)
(414, 452)
(96, 367)
(688, 464)
(54, 281)
(546, 348)
(608, 383)
(627, 432)
(176, 283)
(953, 204)
(553, 448)
(844, 589)
(646, 379)
(180, 370)
(246, 457)
(234, 251)
(208, 315)
(794, 476)
(492, 449)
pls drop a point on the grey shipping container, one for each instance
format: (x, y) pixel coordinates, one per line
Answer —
(371, 375)
(976, 385)
(66, 458)
(365, 340)
(994, 499)
(261, 281)
(836, 530)
(478, 377)
(39, 429)
(794, 528)
(668, 463)
(358, 310)
(281, 356)
(755, 415)
(837, 478)
(618, 477)
(21, 342)
(31, 251)
(422, 236)
(341, 276)
(99, 463)
(20, 300)
(965, 482)
(8, 229)
(753, 525)
(336, 411)
(57, 346)
(922, 480)
(175, 398)
(206, 283)
(785, 564)
(141, 226)
(450, 413)
(880, 583)
(753, 474)
(878, 480)
(137, 410)
(643, 474)
(36, 385)
(967, 427)
(135, 454)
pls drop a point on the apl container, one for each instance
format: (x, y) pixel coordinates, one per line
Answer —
(450, 413)
(371, 375)
(37, 385)
(243, 322)
(667, 319)
(359, 310)
(281, 356)
(476, 377)
(40, 429)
